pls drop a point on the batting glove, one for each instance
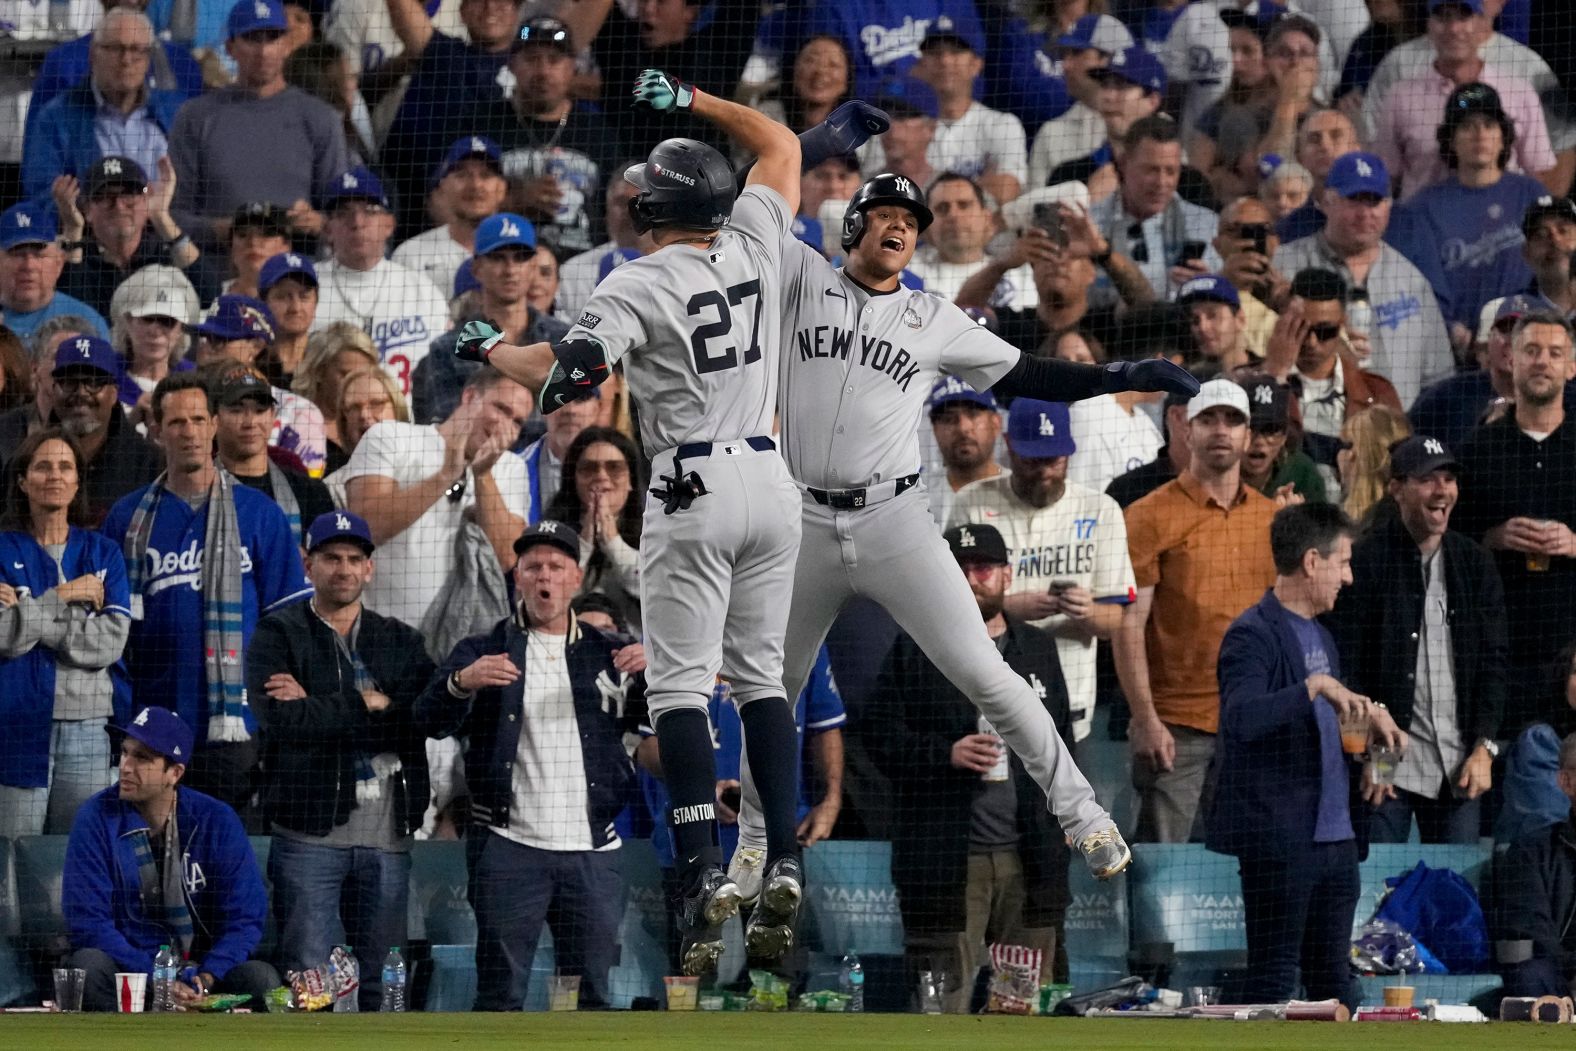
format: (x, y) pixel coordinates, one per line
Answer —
(1151, 374)
(476, 341)
(662, 92)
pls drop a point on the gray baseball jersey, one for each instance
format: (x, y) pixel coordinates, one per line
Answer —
(857, 369)
(698, 327)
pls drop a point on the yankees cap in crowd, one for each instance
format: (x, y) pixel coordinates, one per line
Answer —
(1269, 402)
(115, 173)
(1211, 288)
(161, 730)
(242, 387)
(1040, 430)
(1219, 394)
(339, 525)
(261, 215)
(976, 543)
(557, 534)
(949, 389)
(85, 354)
(1419, 455)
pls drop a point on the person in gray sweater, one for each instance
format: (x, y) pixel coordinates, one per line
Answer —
(257, 140)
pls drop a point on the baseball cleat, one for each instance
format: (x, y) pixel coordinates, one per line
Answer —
(745, 871)
(701, 916)
(1105, 852)
(769, 934)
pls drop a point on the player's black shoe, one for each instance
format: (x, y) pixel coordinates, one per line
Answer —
(769, 934)
(702, 912)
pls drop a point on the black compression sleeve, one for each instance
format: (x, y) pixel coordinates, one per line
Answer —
(1051, 380)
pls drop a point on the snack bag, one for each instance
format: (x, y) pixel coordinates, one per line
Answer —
(310, 990)
(1014, 980)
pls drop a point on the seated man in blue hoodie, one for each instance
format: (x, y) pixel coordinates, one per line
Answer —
(150, 863)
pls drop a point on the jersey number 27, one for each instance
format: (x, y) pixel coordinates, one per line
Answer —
(711, 299)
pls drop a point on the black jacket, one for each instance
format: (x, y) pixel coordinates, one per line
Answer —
(491, 719)
(912, 718)
(307, 741)
(1533, 912)
(1376, 620)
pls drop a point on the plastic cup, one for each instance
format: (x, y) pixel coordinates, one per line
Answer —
(1536, 562)
(1382, 761)
(564, 994)
(1203, 995)
(931, 988)
(683, 992)
(68, 988)
(1398, 996)
(131, 992)
(1354, 734)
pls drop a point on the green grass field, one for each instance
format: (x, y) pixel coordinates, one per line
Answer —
(744, 1032)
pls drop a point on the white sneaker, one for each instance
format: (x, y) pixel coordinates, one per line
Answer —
(745, 871)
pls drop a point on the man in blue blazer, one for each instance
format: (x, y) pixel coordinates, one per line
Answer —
(1284, 788)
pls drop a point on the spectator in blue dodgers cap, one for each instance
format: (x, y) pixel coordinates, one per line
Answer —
(87, 408)
(468, 186)
(152, 862)
(288, 285)
(334, 685)
(543, 847)
(965, 425)
(30, 267)
(401, 309)
(1067, 542)
(1083, 50)
(914, 109)
(1404, 339)
(505, 254)
(971, 138)
(259, 139)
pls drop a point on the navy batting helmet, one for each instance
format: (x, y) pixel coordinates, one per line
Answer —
(885, 188)
(683, 183)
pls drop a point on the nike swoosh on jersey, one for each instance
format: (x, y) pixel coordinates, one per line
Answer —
(840, 295)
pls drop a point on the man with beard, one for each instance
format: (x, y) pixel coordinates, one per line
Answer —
(1518, 497)
(1201, 556)
(965, 424)
(469, 186)
(87, 407)
(1067, 544)
(955, 248)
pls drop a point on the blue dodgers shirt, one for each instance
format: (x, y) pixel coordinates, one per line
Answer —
(1334, 823)
(164, 655)
(883, 36)
(1476, 236)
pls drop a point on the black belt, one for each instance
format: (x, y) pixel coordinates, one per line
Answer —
(694, 450)
(853, 499)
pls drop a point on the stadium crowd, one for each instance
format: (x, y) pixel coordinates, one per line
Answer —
(400, 603)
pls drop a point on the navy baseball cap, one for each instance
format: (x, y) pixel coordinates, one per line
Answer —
(545, 31)
(339, 525)
(25, 224)
(237, 317)
(904, 98)
(1415, 456)
(242, 387)
(119, 173)
(1356, 173)
(1475, 6)
(283, 265)
(261, 215)
(1209, 288)
(85, 353)
(502, 230)
(945, 31)
(358, 184)
(478, 147)
(1269, 401)
(547, 531)
(1520, 305)
(1136, 66)
(948, 389)
(1039, 430)
(977, 543)
(1096, 33)
(249, 16)
(1544, 207)
(163, 731)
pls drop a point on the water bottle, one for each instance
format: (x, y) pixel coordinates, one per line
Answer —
(166, 969)
(853, 983)
(1359, 314)
(999, 771)
(393, 981)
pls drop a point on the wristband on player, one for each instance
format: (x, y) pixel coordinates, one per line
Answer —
(476, 341)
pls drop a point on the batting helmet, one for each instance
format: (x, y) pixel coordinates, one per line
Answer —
(885, 188)
(683, 183)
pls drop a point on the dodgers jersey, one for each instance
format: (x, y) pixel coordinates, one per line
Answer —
(697, 328)
(857, 369)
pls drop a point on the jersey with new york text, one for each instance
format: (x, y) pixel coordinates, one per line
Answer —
(698, 328)
(857, 369)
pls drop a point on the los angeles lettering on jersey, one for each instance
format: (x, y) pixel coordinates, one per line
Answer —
(829, 341)
(1053, 560)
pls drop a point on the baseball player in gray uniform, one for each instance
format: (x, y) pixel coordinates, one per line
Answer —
(697, 324)
(861, 355)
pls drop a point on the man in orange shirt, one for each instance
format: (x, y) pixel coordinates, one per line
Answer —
(1200, 547)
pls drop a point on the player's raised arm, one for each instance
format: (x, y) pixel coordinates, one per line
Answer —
(776, 148)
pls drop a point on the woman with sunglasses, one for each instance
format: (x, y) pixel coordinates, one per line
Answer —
(65, 613)
(602, 495)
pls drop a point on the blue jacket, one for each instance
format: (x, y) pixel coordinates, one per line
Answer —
(489, 721)
(1267, 768)
(62, 142)
(101, 888)
(69, 64)
(27, 680)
